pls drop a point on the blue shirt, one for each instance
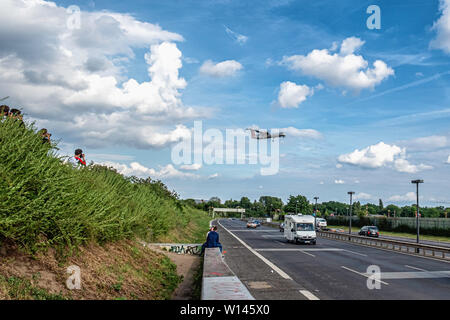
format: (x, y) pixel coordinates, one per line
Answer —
(212, 240)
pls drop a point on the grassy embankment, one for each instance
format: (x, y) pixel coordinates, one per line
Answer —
(48, 206)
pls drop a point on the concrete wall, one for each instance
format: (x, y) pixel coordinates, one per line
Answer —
(219, 282)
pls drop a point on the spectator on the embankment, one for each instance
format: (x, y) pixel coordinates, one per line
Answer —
(45, 135)
(212, 241)
(78, 158)
(4, 111)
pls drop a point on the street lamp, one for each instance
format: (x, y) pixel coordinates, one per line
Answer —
(417, 212)
(315, 212)
(351, 193)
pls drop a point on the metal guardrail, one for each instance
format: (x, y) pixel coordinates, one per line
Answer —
(425, 250)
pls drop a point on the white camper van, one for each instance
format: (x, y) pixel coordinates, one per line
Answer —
(299, 228)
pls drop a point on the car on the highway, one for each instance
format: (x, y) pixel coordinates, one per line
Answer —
(282, 227)
(253, 224)
(369, 231)
(321, 223)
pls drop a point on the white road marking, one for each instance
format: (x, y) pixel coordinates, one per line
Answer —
(308, 295)
(309, 254)
(270, 264)
(252, 230)
(364, 275)
(361, 254)
(300, 249)
(415, 275)
(415, 268)
(395, 251)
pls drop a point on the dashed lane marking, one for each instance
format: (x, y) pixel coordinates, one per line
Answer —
(415, 268)
(364, 275)
(266, 261)
(308, 295)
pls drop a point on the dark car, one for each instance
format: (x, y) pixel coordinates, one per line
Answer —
(369, 231)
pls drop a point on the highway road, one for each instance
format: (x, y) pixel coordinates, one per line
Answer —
(421, 241)
(272, 269)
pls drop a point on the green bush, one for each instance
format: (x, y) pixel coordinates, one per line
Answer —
(46, 202)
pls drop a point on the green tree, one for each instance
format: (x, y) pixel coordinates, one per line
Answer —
(245, 203)
(271, 204)
(299, 204)
(380, 205)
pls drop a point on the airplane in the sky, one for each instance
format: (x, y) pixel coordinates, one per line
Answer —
(4, 98)
(260, 134)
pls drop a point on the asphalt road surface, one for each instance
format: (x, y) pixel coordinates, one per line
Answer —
(273, 269)
(428, 242)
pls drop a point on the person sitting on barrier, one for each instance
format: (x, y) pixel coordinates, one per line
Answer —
(212, 241)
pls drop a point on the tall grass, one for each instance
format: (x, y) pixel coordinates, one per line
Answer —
(45, 202)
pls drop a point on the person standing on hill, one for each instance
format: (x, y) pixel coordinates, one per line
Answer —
(78, 159)
(45, 136)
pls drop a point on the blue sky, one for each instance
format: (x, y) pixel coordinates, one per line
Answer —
(375, 126)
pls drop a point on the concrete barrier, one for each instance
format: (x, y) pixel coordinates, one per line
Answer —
(219, 282)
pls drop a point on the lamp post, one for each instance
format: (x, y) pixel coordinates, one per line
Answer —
(417, 203)
(351, 193)
(315, 212)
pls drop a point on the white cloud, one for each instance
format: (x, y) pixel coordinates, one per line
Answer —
(193, 167)
(442, 28)
(363, 196)
(403, 165)
(448, 160)
(350, 45)
(339, 181)
(239, 38)
(410, 196)
(301, 133)
(136, 169)
(344, 69)
(291, 95)
(74, 81)
(374, 156)
(339, 165)
(381, 155)
(222, 69)
(213, 176)
(426, 143)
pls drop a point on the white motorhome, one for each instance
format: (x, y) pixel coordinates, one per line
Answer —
(299, 228)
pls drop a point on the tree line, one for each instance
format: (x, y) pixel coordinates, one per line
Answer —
(269, 206)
